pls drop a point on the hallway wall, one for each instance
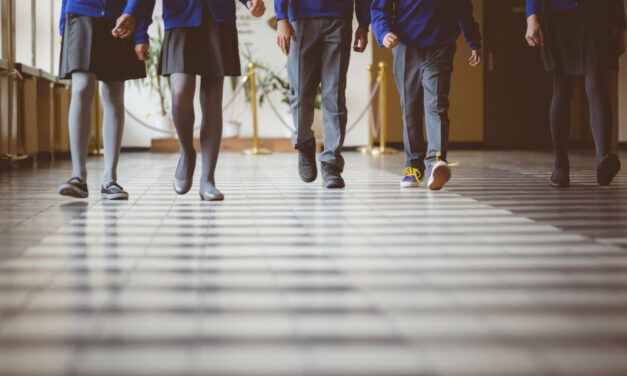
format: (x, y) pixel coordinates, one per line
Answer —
(622, 97)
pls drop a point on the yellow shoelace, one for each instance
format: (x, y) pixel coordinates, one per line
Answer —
(437, 159)
(410, 171)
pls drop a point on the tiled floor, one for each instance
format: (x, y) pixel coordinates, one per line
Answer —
(497, 275)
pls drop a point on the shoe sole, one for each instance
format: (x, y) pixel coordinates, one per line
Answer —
(114, 196)
(70, 191)
(559, 185)
(410, 185)
(607, 171)
(333, 184)
(210, 199)
(439, 177)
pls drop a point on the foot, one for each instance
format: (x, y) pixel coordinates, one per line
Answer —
(411, 178)
(439, 175)
(184, 176)
(307, 162)
(112, 191)
(75, 187)
(560, 179)
(209, 192)
(607, 170)
(332, 176)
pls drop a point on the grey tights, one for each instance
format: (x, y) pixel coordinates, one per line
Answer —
(183, 90)
(112, 94)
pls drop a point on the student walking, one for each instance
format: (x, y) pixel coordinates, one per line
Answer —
(579, 38)
(423, 35)
(316, 36)
(200, 40)
(106, 41)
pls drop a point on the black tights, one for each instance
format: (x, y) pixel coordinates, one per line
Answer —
(183, 91)
(601, 117)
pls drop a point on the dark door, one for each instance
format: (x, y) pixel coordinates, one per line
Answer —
(518, 90)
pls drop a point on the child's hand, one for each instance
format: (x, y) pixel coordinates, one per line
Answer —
(361, 40)
(534, 35)
(125, 27)
(257, 8)
(390, 40)
(475, 58)
(142, 52)
(285, 35)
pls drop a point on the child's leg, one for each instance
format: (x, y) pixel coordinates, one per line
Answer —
(436, 80)
(83, 90)
(183, 91)
(601, 117)
(336, 53)
(211, 90)
(560, 121)
(303, 70)
(408, 76)
(112, 94)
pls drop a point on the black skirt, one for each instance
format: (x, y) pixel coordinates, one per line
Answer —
(210, 50)
(88, 46)
(579, 41)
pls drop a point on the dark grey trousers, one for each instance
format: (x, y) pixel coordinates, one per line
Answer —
(320, 57)
(423, 78)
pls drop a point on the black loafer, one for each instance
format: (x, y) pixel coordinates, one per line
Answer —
(332, 176)
(607, 170)
(74, 187)
(182, 186)
(307, 162)
(113, 192)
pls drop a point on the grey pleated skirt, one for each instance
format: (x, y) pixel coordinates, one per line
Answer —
(88, 46)
(210, 50)
(579, 41)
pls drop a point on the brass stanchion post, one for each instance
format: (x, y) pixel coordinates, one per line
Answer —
(383, 133)
(252, 79)
(368, 148)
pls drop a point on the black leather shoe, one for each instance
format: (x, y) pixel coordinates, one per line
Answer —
(607, 170)
(182, 186)
(331, 176)
(307, 162)
(74, 187)
(559, 181)
(209, 192)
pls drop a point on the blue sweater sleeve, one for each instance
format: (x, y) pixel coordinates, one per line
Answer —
(142, 12)
(533, 6)
(469, 26)
(382, 14)
(281, 9)
(62, 21)
(362, 11)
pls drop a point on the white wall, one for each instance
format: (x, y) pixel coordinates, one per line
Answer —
(261, 40)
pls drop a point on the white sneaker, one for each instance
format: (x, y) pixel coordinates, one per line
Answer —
(439, 175)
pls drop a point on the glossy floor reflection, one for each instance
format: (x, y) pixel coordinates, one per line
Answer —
(497, 275)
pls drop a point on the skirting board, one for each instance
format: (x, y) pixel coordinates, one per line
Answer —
(276, 145)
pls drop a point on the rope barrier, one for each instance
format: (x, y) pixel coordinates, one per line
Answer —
(236, 93)
(375, 126)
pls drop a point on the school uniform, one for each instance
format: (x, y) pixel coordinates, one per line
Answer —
(88, 45)
(580, 39)
(321, 55)
(580, 35)
(200, 38)
(423, 64)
